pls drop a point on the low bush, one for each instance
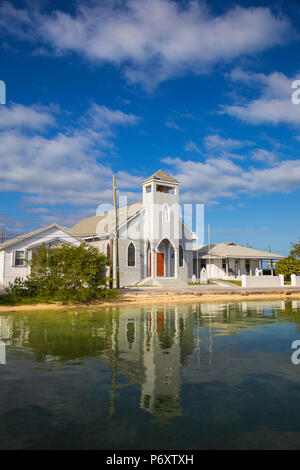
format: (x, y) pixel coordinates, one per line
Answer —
(64, 273)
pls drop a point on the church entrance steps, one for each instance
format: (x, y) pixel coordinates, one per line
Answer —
(161, 282)
(170, 282)
(147, 281)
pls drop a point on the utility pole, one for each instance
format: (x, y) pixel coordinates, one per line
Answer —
(116, 257)
(208, 252)
(197, 260)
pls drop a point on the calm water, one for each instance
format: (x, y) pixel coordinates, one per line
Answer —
(207, 376)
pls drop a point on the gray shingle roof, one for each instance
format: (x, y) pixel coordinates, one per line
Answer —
(97, 224)
(161, 175)
(231, 250)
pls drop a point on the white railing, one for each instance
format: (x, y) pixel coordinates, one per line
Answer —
(295, 280)
(263, 281)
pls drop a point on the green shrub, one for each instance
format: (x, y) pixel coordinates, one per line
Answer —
(288, 266)
(65, 273)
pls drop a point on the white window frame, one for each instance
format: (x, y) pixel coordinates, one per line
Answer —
(127, 265)
(166, 213)
(180, 265)
(24, 258)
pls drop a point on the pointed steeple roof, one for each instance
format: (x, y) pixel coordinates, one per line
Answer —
(162, 176)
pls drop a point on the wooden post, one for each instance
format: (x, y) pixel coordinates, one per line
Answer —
(116, 254)
(111, 268)
(208, 271)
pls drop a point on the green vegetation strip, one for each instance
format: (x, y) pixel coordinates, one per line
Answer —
(237, 283)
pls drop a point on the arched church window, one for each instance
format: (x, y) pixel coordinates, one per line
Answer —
(180, 256)
(166, 213)
(131, 255)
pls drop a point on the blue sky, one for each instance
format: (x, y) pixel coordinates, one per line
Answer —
(201, 90)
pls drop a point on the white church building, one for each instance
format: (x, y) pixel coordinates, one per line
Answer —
(155, 246)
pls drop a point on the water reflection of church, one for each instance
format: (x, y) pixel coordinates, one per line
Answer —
(150, 351)
(153, 344)
(145, 347)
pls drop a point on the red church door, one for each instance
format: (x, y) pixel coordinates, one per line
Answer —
(160, 264)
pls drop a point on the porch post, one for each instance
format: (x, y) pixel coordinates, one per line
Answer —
(153, 261)
(239, 267)
(261, 267)
(175, 262)
(227, 266)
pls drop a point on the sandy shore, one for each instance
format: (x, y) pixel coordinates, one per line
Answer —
(158, 297)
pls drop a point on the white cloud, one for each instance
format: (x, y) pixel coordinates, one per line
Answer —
(152, 40)
(215, 179)
(191, 146)
(29, 117)
(103, 117)
(64, 167)
(265, 156)
(218, 146)
(274, 105)
(215, 141)
(173, 125)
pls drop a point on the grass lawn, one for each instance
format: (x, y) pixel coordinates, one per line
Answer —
(12, 300)
(200, 283)
(144, 285)
(237, 283)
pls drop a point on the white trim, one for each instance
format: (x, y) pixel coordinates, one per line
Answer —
(25, 236)
(195, 236)
(180, 246)
(175, 259)
(130, 219)
(14, 265)
(167, 219)
(134, 255)
(172, 183)
(4, 261)
(147, 265)
(165, 237)
(51, 240)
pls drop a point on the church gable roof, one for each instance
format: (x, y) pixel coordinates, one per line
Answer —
(161, 175)
(105, 223)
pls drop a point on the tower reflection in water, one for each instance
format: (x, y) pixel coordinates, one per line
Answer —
(147, 349)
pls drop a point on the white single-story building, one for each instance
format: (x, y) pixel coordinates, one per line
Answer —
(155, 246)
(15, 253)
(231, 261)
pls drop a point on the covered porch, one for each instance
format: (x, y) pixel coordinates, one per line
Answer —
(230, 261)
